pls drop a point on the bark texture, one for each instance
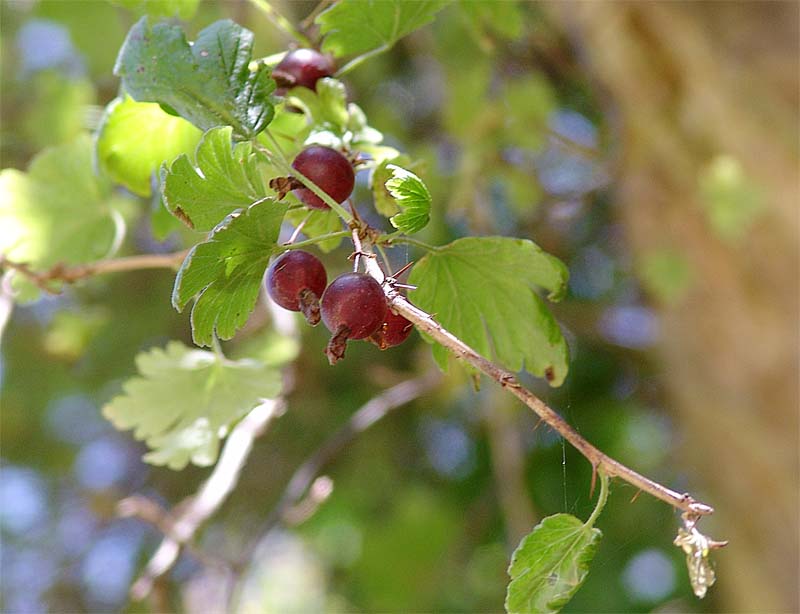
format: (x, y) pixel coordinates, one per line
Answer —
(686, 82)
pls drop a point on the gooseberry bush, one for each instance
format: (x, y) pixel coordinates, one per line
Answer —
(253, 162)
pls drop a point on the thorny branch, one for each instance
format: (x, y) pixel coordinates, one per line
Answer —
(508, 380)
(180, 525)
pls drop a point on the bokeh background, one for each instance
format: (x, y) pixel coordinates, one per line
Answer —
(653, 146)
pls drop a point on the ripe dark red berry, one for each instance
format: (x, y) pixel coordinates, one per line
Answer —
(302, 67)
(394, 330)
(353, 307)
(327, 168)
(296, 280)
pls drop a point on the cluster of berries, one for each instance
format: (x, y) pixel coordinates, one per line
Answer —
(353, 306)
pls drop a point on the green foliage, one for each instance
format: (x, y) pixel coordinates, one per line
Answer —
(483, 290)
(412, 197)
(550, 564)
(332, 120)
(59, 211)
(732, 202)
(185, 9)
(224, 274)
(351, 27)
(135, 138)
(226, 178)
(185, 399)
(212, 82)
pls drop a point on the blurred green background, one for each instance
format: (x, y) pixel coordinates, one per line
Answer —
(651, 146)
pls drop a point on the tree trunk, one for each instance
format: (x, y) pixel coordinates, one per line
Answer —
(688, 82)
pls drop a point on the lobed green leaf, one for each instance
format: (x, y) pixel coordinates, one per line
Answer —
(185, 399)
(484, 290)
(223, 274)
(412, 197)
(59, 211)
(357, 26)
(212, 82)
(135, 138)
(225, 179)
(550, 564)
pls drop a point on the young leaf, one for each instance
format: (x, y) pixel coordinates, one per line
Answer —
(185, 398)
(210, 82)
(227, 178)
(59, 211)
(135, 138)
(224, 274)
(550, 565)
(412, 196)
(356, 26)
(483, 289)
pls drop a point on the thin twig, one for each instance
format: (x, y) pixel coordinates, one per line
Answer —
(191, 513)
(70, 274)
(508, 380)
(371, 412)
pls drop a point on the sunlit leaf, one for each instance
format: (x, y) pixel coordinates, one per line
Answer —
(59, 211)
(184, 401)
(224, 274)
(225, 179)
(550, 565)
(212, 82)
(484, 290)
(135, 138)
(356, 26)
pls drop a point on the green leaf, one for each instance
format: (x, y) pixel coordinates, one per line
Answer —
(184, 9)
(224, 274)
(59, 211)
(550, 564)
(185, 399)
(356, 26)
(210, 83)
(226, 178)
(384, 203)
(333, 121)
(413, 198)
(135, 138)
(483, 290)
